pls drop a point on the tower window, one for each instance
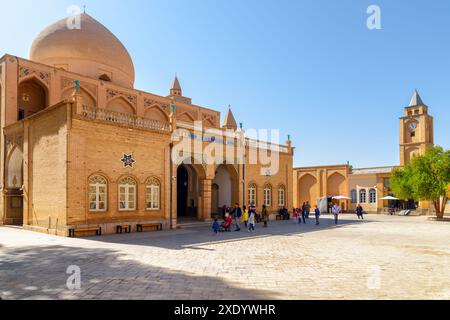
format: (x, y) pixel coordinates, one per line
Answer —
(416, 111)
(413, 134)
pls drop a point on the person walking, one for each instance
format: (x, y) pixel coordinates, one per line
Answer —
(251, 220)
(237, 215)
(317, 214)
(245, 216)
(308, 209)
(303, 216)
(336, 210)
(304, 208)
(360, 212)
(300, 215)
(264, 215)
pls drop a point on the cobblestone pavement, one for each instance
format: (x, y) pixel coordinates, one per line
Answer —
(382, 258)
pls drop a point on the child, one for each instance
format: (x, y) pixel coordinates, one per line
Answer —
(300, 215)
(216, 226)
(251, 221)
(226, 225)
(245, 216)
(317, 214)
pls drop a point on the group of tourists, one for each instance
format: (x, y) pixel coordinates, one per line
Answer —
(302, 214)
(237, 216)
(249, 216)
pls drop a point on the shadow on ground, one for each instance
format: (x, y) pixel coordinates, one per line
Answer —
(40, 273)
(197, 238)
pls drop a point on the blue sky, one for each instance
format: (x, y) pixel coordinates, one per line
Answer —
(310, 68)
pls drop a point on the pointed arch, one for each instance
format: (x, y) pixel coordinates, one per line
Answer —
(208, 123)
(336, 184)
(155, 112)
(307, 189)
(121, 105)
(185, 116)
(32, 96)
(88, 98)
(410, 153)
(14, 168)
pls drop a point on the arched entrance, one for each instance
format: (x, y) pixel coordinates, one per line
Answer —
(188, 191)
(13, 190)
(225, 188)
(32, 98)
(307, 190)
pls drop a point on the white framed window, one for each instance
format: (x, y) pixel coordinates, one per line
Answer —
(281, 196)
(127, 194)
(98, 188)
(362, 196)
(353, 196)
(267, 195)
(372, 196)
(153, 194)
(252, 189)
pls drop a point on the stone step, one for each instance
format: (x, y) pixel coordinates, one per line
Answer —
(195, 224)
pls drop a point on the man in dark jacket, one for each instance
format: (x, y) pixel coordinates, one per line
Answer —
(237, 214)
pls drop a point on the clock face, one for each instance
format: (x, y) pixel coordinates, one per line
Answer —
(412, 126)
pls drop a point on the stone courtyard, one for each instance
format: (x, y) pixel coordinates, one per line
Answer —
(383, 257)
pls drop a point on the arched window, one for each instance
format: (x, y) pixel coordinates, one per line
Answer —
(127, 194)
(252, 189)
(372, 196)
(362, 196)
(268, 195)
(153, 194)
(353, 196)
(98, 188)
(281, 196)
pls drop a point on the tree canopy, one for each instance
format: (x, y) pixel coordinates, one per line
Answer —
(426, 177)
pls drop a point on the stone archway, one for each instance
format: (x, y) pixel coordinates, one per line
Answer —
(191, 190)
(307, 189)
(32, 97)
(121, 105)
(227, 180)
(336, 185)
(13, 191)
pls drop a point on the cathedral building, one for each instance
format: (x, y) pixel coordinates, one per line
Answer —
(82, 148)
(367, 186)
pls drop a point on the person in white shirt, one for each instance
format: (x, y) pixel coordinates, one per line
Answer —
(336, 211)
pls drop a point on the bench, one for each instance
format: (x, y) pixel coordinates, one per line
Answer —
(279, 217)
(154, 226)
(98, 231)
(123, 228)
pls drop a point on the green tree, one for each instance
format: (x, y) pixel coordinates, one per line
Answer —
(425, 178)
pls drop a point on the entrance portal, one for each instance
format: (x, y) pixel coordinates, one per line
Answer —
(187, 191)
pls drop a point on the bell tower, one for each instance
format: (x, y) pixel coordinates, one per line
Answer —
(416, 130)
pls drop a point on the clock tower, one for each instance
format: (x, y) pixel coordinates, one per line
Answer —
(416, 130)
